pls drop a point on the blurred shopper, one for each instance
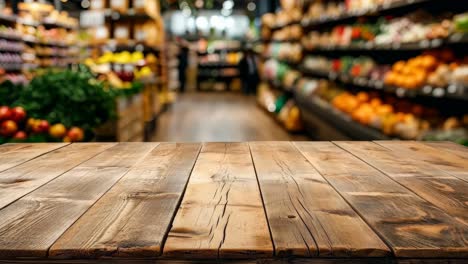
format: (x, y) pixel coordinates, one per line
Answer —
(249, 72)
(183, 64)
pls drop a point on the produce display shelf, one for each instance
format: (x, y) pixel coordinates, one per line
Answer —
(280, 41)
(337, 119)
(454, 39)
(279, 86)
(201, 53)
(219, 76)
(11, 68)
(17, 37)
(131, 14)
(280, 26)
(14, 50)
(8, 18)
(50, 24)
(33, 40)
(217, 65)
(451, 92)
(130, 46)
(385, 7)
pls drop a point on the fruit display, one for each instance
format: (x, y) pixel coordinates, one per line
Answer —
(435, 68)
(394, 117)
(291, 52)
(123, 68)
(59, 97)
(229, 58)
(414, 27)
(15, 126)
(274, 70)
(10, 61)
(281, 106)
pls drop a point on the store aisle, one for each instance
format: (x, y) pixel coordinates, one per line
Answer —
(199, 117)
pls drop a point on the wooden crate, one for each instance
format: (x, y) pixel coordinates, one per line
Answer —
(130, 122)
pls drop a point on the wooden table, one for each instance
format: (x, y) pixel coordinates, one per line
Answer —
(270, 202)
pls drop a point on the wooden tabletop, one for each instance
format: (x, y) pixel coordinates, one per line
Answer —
(336, 202)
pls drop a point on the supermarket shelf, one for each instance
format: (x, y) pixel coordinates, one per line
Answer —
(217, 65)
(366, 12)
(452, 91)
(50, 24)
(227, 50)
(279, 41)
(455, 39)
(131, 14)
(279, 86)
(8, 18)
(131, 46)
(14, 50)
(280, 26)
(337, 119)
(11, 68)
(11, 37)
(32, 40)
(217, 76)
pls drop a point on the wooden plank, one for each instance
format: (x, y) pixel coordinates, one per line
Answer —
(25, 178)
(10, 147)
(222, 213)
(409, 224)
(452, 147)
(16, 154)
(433, 157)
(133, 218)
(306, 215)
(30, 225)
(439, 188)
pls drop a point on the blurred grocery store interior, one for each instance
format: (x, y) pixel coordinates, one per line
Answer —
(233, 70)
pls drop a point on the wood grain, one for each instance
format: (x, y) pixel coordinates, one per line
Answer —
(133, 218)
(25, 178)
(306, 215)
(12, 155)
(433, 157)
(221, 215)
(436, 186)
(412, 226)
(30, 225)
(451, 147)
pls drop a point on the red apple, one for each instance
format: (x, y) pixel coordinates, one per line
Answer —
(43, 126)
(20, 135)
(18, 114)
(5, 113)
(75, 134)
(8, 128)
